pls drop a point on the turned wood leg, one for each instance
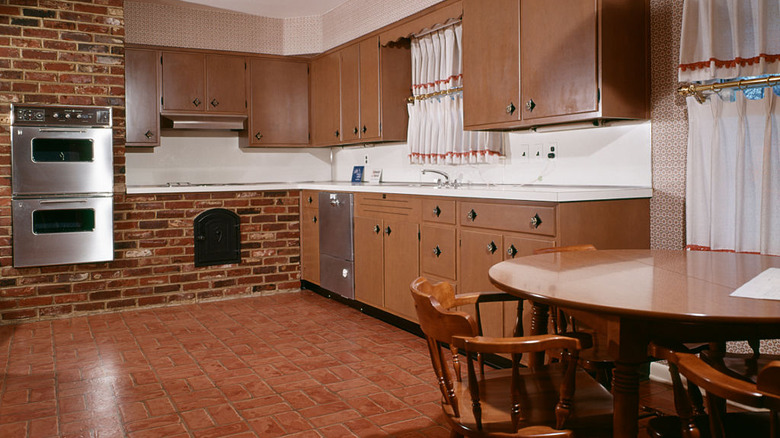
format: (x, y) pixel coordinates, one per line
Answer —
(539, 319)
(625, 389)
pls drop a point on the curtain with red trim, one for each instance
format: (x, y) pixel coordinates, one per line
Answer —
(436, 134)
(727, 39)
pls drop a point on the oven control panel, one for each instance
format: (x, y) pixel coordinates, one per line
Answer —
(57, 115)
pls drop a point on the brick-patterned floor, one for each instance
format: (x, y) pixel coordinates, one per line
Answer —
(285, 365)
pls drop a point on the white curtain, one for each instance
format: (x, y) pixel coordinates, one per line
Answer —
(733, 183)
(725, 39)
(436, 134)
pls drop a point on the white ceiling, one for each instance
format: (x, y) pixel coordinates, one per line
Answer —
(273, 8)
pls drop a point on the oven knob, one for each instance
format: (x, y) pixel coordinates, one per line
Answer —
(67, 115)
(78, 116)
(39, 116)
(56, 115)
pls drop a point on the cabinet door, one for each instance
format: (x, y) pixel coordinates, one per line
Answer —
(558, 57)
(369, 89)
(325, 96)
(438, 248)
(478, 252)
(142, 98)
(279, 104)
(226, 83)
(402, 264)
(183, 82)
(310, 245)
(520, 246)
(350, 93)
(491, 64)
(369, 261)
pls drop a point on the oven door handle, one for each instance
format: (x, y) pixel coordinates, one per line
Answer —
(71, 130)
(64, 201)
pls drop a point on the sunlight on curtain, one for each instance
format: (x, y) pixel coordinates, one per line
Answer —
(436, 134)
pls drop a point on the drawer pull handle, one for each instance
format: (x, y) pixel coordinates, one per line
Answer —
(510, 109)
(388, 231)
(149, 134)
(472, 215)
(377, 229)
(364, 129)
(314, 219)
(530, 105)
(214, 102)
(310, 200)
(337, 133)
(536, 221)
(355, 131)
(437, 251)
(258, 135)
(512, 251)
(436, 211)
(196, 102)
(492, 247)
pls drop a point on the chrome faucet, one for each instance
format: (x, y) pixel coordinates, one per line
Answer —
(439, 182)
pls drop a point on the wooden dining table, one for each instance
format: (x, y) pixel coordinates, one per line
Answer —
(633, 297)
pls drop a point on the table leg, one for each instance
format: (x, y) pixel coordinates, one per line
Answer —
(539, 318)
(625, 390)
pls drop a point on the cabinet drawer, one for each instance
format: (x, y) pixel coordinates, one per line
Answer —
(438, 246)
(533, 219)
(310, 199)
(438, 210)
(387, 205)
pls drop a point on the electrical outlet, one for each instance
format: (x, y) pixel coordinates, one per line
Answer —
(537, 151)
(365, 159)
(525, 152)
(551, 151)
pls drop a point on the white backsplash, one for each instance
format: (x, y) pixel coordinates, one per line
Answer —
(612, 155)
(215, 157)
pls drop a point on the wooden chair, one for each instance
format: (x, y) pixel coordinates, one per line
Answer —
(720, 385)
(515, 402)
(596, 359)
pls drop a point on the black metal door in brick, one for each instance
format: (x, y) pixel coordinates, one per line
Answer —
(217, 238)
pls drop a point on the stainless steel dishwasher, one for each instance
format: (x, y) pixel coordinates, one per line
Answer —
(337, 261)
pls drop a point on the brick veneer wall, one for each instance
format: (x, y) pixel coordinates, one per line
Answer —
(72, 52)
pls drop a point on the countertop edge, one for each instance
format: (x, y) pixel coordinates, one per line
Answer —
(506, 192)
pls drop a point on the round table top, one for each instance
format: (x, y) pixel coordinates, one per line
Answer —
(690, 286)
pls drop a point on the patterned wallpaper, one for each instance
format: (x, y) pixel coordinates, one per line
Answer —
(669, 128)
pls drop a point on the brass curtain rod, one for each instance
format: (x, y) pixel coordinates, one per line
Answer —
(696, 90)
(412, 99)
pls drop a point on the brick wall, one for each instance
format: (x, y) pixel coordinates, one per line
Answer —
(72, 52)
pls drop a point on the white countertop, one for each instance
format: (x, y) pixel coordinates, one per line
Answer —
(530, 192)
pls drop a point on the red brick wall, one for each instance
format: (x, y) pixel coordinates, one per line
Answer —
(72, 52)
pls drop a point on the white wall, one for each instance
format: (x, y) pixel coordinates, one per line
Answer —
(611, 155)
(215, 157)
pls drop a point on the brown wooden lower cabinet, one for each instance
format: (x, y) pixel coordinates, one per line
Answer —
(310, 237)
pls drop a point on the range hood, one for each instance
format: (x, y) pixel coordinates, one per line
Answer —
(203, 121)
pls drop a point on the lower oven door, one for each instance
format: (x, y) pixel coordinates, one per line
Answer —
(58, 231)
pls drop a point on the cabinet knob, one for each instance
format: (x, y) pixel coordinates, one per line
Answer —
(337, 133)
(377, 229)
(355, 131)
(492, 247)
(436, 211)
(310, 200)
(536, 221)
(196, 102)
(472, 215)
(512, 251)
(530, 105)
(149, 134)
(510, 109)
(437, 251)
(214, 102)
(314, 219)
(258, 135)
(388, 231)
(364, 129)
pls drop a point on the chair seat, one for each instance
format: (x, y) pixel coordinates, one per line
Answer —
(738, 424)
(592, 404)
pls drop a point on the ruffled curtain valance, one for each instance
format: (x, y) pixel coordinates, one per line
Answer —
(726, 39)
(436, 134)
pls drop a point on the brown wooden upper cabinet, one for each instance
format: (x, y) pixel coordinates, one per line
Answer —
(142, 98)
(197, 82)
(525, 63)
(279, 102)
(358, 94)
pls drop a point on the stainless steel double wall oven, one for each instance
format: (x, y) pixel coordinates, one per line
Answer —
(62, 182)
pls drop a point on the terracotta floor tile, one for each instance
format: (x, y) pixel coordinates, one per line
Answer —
(294, 365)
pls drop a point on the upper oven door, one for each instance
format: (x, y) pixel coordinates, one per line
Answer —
(59, 160)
